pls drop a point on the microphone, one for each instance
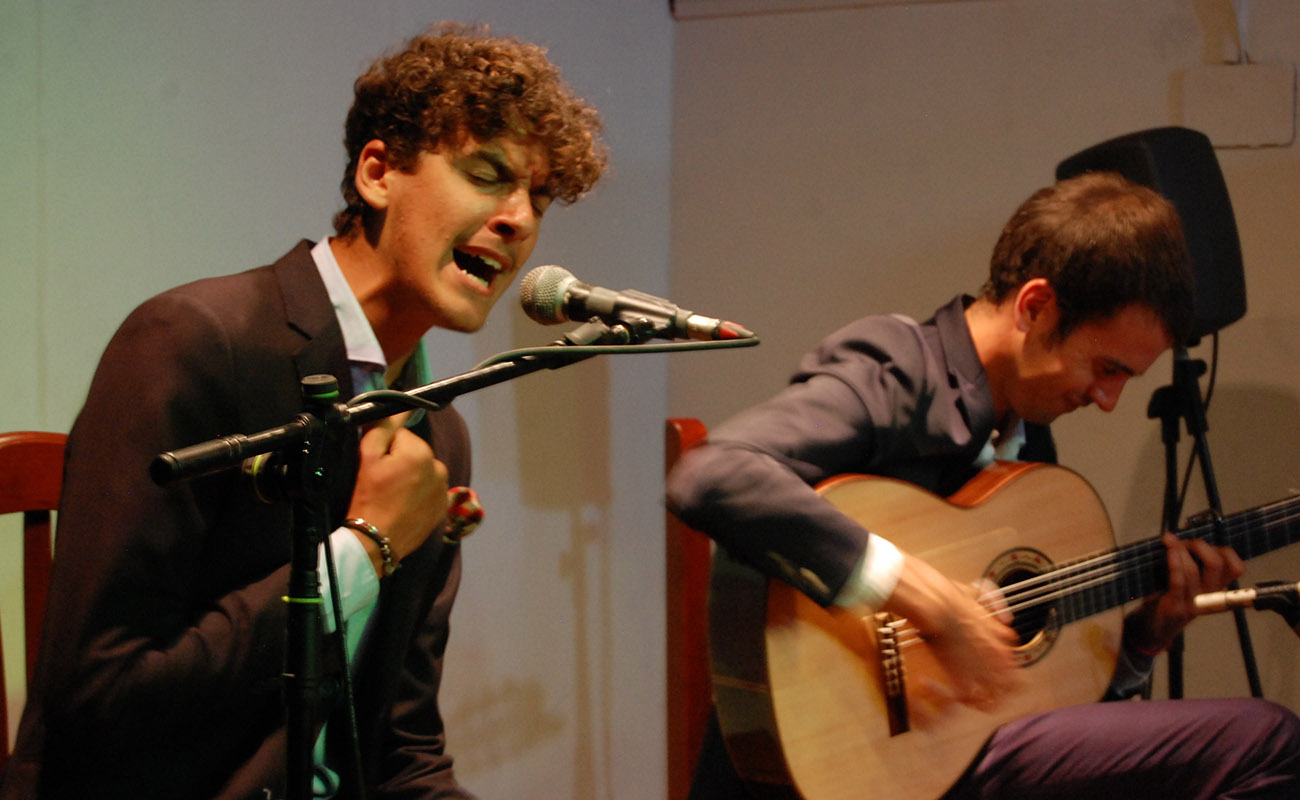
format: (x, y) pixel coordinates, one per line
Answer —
(551, 295)
(1284, 598)
(1265, 595)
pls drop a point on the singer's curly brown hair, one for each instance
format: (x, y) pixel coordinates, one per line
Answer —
(454, 80)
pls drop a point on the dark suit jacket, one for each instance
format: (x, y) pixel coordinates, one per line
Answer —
(159, 674)
(884, 395)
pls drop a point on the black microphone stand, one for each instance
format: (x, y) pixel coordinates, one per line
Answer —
(1182, 401)
(307, 472)
(308, 454)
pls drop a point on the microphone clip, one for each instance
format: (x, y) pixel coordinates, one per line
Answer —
(595, 332)
(1281, 597)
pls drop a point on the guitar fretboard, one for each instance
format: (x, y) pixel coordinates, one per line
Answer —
(1096, 583)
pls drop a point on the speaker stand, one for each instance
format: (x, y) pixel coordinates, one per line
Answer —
(1182, 401)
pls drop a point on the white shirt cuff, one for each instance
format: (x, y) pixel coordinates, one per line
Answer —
(358, 583)
(872, 583)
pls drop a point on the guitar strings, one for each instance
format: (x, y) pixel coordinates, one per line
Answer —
(1099, 568)
(1102, 569)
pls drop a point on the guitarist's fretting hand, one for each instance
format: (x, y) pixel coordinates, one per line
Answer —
(1195, 566)
(973, 646)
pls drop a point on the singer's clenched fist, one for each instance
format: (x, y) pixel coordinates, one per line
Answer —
(401, 488)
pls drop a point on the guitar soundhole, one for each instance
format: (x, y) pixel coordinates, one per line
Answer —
(1034, 617)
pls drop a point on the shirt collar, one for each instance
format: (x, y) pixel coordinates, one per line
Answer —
(363, 351)
(358, 337)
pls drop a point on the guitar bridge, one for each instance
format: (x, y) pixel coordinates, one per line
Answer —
(891, 671)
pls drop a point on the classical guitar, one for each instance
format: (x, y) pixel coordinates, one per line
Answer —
(826, 705)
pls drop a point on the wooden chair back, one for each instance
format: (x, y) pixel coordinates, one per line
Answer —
(31, 478)
(687, 559)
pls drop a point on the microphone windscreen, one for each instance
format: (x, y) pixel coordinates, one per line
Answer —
(541, 293)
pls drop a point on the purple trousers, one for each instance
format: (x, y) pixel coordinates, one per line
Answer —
(1188, 749)
(1231, 749)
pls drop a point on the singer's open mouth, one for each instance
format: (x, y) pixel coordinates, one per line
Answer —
(482, 268)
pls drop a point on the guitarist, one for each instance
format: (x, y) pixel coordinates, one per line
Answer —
(1090, 282)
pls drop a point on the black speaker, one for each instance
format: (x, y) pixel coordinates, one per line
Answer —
(1180, 164)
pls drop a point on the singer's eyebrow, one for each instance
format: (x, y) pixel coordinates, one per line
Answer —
(498, 161)
(506, 173)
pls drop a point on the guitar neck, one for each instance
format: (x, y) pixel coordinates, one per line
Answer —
(1096, 583)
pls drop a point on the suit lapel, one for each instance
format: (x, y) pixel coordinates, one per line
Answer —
(309, 312)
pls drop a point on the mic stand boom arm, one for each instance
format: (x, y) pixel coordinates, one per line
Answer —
(225, 452)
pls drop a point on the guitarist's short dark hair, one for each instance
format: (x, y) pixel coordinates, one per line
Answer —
(1103, 243)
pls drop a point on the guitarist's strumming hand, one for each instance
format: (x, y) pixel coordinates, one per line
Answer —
(1195, 566)
(972, 645)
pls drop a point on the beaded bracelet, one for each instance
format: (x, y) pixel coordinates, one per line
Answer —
(385, 547)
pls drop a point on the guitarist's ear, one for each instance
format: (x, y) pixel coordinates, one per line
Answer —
(1035, 306)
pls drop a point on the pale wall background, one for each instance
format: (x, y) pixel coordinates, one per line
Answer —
(788, 171)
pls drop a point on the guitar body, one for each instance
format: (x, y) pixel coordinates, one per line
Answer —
(803, 693)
